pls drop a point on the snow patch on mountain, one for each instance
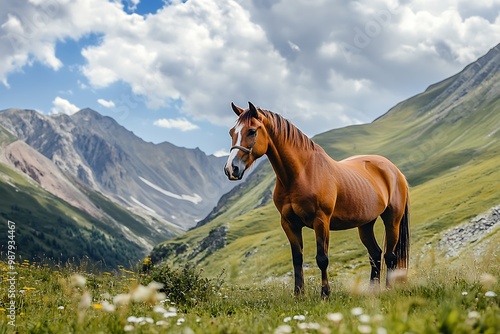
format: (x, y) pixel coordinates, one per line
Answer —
(142, 205)
(196, 199)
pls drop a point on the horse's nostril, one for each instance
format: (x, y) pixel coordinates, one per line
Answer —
(236, 170)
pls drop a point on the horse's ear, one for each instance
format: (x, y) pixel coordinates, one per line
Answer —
(253, 110)
(237, 110)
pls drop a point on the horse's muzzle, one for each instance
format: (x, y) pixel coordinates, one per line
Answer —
(234, 172)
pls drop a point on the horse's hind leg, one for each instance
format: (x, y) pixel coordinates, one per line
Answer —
(391, 221)
(368, 239)
(322, 232)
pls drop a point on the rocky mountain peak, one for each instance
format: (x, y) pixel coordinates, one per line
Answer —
(473, 77)
(87, 114)
(102, 154)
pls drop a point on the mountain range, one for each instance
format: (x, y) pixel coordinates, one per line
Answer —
(446, 140)
(137, 192)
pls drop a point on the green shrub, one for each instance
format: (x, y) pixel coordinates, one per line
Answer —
(184, 286)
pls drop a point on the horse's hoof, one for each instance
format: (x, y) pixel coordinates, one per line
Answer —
(325, 292)
(298, 291)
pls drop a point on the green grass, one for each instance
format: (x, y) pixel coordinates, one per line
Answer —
(438, 299)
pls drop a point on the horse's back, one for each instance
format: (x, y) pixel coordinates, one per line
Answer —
(373, 166)
(367, 185)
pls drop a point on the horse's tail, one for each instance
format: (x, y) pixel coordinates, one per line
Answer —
(402, 250)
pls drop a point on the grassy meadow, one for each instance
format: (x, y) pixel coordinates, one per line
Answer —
(73, 299)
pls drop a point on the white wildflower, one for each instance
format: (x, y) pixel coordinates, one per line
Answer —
(397, 276)
(364, 329)
(60, 307)
(85, 301)
(381, 330)
(159, 309)
(364, 318)
(464, 293)
(487, 281)
(78, 281)
(128, 328)
(283, 329)
(172, 312)
(335, 317)
(357, 311)
(122, 299)
(180, 321)
(148, 293)
(309, 325)
(490, 294)
(299, 317)
(161, 323)
(474, 315)
(133, 319)
(155, 285)
(108, 307)
(287, 319)
(142, 293)
(187, 330)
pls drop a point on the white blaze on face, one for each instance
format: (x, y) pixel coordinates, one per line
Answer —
(234, 151)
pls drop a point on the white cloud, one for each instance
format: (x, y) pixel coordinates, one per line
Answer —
(294, 46)
(105, 103)
(175, 123)
(29, 30)
(356, 58)
(203, 52)
(221, 153)
(62, 106)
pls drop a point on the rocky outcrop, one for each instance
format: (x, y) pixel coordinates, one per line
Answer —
(215, 240)
(41, 170)
(456, 239)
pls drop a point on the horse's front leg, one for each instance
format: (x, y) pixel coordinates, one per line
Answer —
(322, 230)
(294, 235)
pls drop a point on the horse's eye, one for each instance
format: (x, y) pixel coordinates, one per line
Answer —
(252, 132)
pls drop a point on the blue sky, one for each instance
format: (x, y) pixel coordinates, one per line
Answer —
(168, 70)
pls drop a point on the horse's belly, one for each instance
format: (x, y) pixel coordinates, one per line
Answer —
(337, 224)
(352, 214)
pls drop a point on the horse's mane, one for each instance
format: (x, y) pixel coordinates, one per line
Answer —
(282, 128)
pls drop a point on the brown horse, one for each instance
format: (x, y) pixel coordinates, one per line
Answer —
(315, 191)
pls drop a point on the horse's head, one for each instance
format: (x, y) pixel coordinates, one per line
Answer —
(249, 141)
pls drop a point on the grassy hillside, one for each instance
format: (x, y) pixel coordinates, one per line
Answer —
(446, 142)
(66, 232)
